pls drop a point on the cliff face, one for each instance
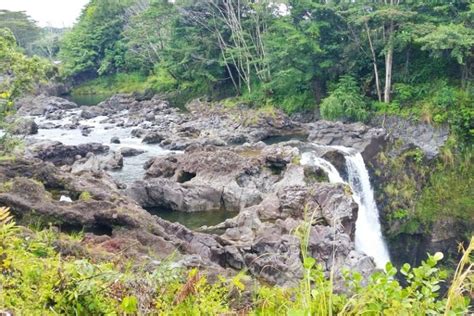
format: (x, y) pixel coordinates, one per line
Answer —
(403, 174)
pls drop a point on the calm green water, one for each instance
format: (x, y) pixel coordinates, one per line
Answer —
(284, 138)
(88, 99)
(193, 220)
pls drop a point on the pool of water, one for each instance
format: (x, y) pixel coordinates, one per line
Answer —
(193, 220)
(285, 138)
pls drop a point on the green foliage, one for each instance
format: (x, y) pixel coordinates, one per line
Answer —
(93, 45)
(345, 102)
(19, 75)
(47, 45)
(35, 280)
(108, 85)
(85, 196)
(161, 80)
(457, 39)
(251, 50)
(22, 27)
(435, 102)
(449, 192)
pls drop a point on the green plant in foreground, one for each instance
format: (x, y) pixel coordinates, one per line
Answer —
(36, 280)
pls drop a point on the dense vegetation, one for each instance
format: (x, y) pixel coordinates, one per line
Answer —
(19, 74)
(33, 40)
(294, 55)
(37, 279)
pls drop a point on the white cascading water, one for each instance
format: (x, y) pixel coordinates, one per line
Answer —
(309, 158)
(368, 235)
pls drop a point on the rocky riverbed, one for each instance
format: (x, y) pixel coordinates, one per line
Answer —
(107, 169)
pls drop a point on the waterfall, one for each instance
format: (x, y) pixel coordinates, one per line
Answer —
(368, 235)
(309, 158)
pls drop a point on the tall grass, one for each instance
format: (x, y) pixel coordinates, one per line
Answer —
(463, 282)
(108, 85)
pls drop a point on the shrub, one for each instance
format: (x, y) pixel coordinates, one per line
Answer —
(449, 192)
(345, 102)
(85, 196)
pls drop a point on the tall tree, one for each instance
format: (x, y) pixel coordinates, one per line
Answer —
(148, 32)
(22, 26)
(375, 26)
(93, 45)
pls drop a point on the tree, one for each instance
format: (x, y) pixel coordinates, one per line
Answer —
(454, 39)
(148, 32)
(93, 46)
(47, 45)
(380, 23)
(22, 26)
(345, 102)
(18, 73)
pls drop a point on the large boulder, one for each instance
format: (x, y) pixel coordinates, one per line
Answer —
(42, 104)
(130, 152)
(24, 127)
(60, 154)
(96, 164)
(204, 177)
(153, 137)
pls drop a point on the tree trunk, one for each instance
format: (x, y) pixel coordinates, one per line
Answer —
(388, 65)
(374, 62)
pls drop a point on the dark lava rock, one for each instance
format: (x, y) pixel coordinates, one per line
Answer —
(153, 138)
(24, 127)
(115, 140)
(60, 154)
(130, 152)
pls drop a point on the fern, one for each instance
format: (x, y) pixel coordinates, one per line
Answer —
(5, 216)
(7, 224)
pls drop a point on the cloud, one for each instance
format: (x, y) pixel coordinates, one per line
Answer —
(57, 13)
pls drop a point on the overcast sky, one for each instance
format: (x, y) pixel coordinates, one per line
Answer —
(57, 13)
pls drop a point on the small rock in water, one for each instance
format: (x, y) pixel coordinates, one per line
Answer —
(130, 152)
(137, 132)
(153, 138)
(86, 131)
(115, 140)
(66, 199)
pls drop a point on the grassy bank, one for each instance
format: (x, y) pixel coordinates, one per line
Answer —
(109, 85)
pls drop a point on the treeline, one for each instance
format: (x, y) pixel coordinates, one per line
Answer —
(31, 38)
(349, 59)
(291, 54)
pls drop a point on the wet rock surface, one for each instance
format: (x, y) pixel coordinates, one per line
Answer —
(364, 139)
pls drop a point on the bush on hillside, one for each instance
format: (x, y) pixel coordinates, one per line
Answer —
(345, 102)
